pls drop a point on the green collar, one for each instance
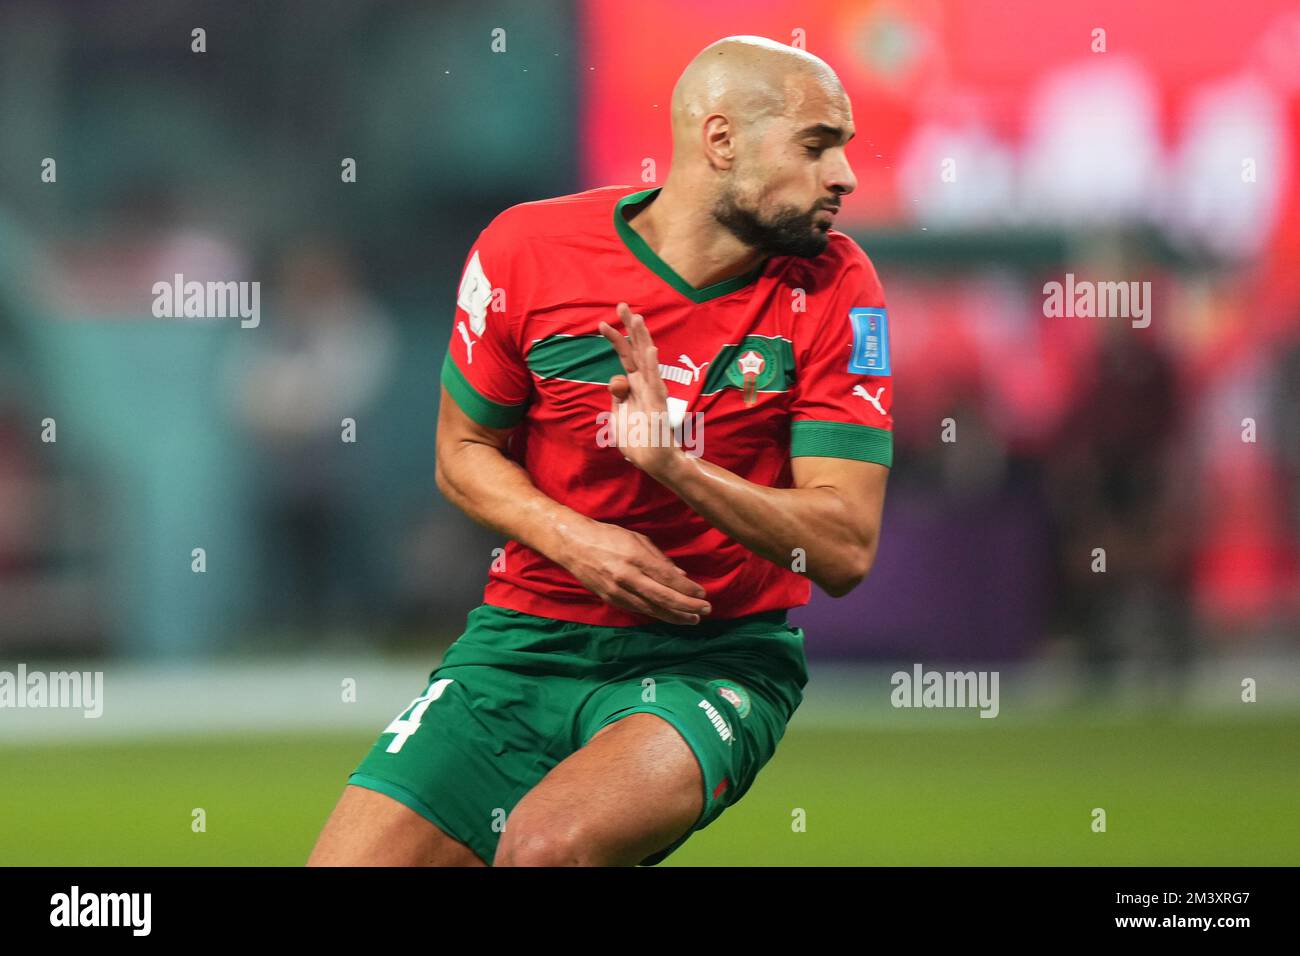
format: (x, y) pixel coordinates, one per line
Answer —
(641, 249)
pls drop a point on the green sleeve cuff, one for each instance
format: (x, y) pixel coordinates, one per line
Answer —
(482, 410)
(842, 440)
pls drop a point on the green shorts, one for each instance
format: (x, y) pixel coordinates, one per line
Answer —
(516, 694)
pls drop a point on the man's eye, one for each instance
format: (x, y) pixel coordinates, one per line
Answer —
(815, 150)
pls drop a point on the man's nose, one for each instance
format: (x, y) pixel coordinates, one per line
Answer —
(840, 178)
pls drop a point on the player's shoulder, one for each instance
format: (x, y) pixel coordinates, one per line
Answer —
(837, 281)
(842, 261)
(843, 273)
(558, 216)
(847, 254)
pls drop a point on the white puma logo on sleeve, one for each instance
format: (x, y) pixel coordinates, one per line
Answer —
(873, 399)
(469, 343)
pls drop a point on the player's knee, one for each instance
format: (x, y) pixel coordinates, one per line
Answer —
(528, 842)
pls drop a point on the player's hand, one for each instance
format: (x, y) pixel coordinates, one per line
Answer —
(641, 393)
(625, 569)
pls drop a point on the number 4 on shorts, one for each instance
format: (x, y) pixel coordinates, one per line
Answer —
(403, 727)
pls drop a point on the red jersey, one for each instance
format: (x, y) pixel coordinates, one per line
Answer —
(789, 359)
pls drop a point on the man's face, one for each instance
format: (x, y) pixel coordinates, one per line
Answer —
(790, 174)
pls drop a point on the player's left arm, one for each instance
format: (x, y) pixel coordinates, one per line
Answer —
(832, 514)
(841, 450)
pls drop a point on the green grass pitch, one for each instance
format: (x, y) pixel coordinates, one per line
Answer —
(1176, 791)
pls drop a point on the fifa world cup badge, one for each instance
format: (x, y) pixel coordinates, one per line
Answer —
(751, 366)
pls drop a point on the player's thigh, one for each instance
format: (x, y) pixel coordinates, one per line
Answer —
(368, 828)
(631, 791)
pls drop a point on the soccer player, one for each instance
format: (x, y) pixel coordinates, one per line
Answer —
(631, 668)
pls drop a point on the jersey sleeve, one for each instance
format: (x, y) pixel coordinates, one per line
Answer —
(484, 371)
(844, 388)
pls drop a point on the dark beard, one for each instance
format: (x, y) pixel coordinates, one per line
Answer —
(791, 233)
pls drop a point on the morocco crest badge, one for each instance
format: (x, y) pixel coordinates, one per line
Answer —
(751, 366)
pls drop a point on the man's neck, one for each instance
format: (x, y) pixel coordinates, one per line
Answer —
(693, 244)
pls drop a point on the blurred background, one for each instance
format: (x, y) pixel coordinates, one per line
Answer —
(1001, 146)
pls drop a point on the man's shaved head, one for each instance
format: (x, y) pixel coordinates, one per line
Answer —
(747, 78)
(759, 129)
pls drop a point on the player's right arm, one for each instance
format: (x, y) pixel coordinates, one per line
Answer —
(490, 387)
(619, 566)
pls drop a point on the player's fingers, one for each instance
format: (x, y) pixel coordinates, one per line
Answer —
(607, 330)
(666, 600)
(643, 347)
(631, 601)
(660, 567)
(670, 575)
(639, 334)
(621, 346)
(654, 380)
(620, 388)
(628, 318)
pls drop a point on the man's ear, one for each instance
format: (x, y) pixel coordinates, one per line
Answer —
(719, 142)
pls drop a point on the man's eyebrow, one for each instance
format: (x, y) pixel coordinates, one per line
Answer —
(825, 129)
